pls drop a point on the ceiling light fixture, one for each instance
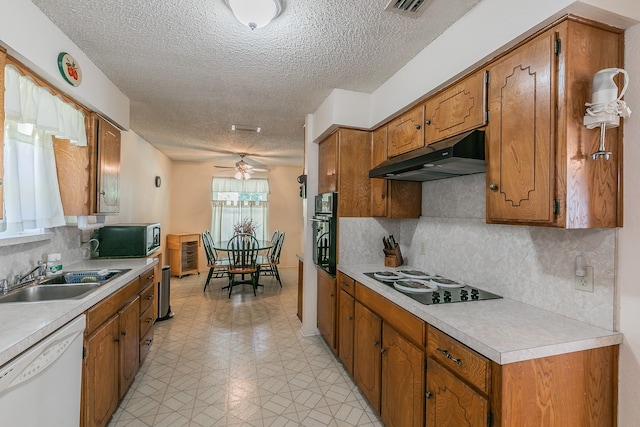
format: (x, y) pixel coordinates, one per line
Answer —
(242, 175)
(254, 13)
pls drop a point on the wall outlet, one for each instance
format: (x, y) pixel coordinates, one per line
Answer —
(585, 283)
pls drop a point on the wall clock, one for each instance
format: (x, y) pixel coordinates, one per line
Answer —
(69, 69)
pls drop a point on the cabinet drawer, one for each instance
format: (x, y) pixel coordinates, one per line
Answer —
(147, 278)
(147, 297)
(145, 344)
(412, 327)
(100, 312)
(458, 358)
(146, 321)
(347, 284)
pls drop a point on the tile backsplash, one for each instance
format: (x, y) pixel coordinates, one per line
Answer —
(18, 259)
(534, 265)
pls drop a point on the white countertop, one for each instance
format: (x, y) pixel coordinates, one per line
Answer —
(502, 330)
(26, 323)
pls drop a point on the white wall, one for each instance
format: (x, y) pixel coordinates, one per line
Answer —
(628, 279)
(33, 39)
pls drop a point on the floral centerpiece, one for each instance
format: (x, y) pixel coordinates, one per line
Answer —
(245, 226)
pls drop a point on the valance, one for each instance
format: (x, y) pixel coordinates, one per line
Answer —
(226, 185)
(26, 102)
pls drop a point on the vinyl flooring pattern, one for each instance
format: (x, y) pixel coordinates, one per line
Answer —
(240, 362)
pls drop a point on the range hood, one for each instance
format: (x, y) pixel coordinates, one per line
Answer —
(455, 156)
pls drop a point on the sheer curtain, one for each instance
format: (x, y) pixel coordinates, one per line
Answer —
(32, 116)
(234, 200)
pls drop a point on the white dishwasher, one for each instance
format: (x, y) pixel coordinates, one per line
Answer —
(41, 387)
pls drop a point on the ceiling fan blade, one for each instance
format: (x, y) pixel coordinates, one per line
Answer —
(225, 167)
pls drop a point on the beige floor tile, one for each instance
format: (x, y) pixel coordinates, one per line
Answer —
(240, 361)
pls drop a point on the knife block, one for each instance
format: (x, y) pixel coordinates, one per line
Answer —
(393, 257)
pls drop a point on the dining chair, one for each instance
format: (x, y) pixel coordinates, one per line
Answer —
(217, 266)
(270, 266)
(242, 251)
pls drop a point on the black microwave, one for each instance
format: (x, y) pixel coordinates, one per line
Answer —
(127, 240)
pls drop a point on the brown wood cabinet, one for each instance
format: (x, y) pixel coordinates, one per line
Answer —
(406, 132)
(100, 375)
(112, 347)
(366, 350)
(183, 253)
(392, 198)
(328, 164)
(343, 164)
(327, 307)
(389, 358)
(346, 320)
(128, 341)
(464, 388)
(148, 312)
(89, 176)
(540, 170)
(457, 109)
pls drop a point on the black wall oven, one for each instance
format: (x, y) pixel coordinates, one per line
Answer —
(325, 224)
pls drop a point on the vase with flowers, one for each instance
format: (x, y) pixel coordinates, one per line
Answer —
(245, 226)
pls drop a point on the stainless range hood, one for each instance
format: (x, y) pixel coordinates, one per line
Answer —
(455, 156)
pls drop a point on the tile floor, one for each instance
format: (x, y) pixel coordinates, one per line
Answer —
(240, 362)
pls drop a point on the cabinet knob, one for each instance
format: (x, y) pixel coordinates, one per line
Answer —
(418, 127)
(116, 340)
(102, 193)
(149, 341)
(428, 395)
(427, 122)
(382, 350)
(493, 187)
(350, 318)
(375, 343)
(150, 297)
(149, 319)
(124, 333)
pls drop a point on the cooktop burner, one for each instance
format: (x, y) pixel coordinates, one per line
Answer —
(443, 295)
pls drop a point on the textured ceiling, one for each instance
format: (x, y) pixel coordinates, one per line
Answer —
(191, 70)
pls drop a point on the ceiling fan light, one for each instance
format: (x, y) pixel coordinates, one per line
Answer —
(254, 13)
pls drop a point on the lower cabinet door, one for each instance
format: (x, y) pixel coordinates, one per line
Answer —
(100, 375)
(402, 381)
(451, 402)
(367, 344)
(345, 329)
(128, 319)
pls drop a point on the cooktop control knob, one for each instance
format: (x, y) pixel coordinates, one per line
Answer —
(435, 297)
(474, 294)
(447, 296)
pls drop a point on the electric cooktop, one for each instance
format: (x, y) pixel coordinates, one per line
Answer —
(430, 289)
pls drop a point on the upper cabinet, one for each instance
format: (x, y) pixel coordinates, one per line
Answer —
(406, 132)
(108, 167)
(328, 164)
(392, 198)
(343, 165)
(457, 109)
(539, 167)
(89, 176)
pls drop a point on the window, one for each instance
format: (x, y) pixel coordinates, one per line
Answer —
(234, 201)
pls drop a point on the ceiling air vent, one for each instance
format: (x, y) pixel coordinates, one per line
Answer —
(413, 8)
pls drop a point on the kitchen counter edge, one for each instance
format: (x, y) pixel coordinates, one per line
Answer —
(503, 330)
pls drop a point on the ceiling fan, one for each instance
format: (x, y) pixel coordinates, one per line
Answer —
(243, 169)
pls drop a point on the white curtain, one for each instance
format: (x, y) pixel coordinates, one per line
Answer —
(227, 213)
(33, 115)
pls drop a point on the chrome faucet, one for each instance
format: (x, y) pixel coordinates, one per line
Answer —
(4, 286)
(41, 268)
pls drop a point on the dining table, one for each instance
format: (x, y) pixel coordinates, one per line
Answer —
(263, 245)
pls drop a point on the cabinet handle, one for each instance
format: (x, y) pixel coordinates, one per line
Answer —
(116, 340)
(427, 122)
(149, 341)
(382, 350)
(428, 395)
(149, 319)
(103, 193)
(150, 297)
(375, 343)
(350, 318)
(418, 127)
(493, 187)
(124, 333)
(150, 277)
(450, 357)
